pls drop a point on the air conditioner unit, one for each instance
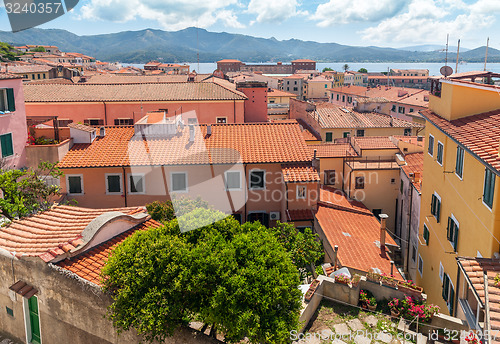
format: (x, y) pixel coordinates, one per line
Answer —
(274, 215)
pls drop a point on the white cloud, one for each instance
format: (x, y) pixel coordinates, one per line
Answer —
(274, 11)
(485, 7)
(170, 14)
(336, 12)
(428, 21)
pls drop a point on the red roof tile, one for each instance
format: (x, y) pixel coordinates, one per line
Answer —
(374, 142)
(355, 230)
(299, 172)
(414, 164)
(333, 150)
(478, 133)
(300, 215)
(89, 264)
(50, 230)
(228, 143)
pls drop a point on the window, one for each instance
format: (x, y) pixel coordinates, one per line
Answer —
(436, 206)
(295, 89)
(257, 179)
(426, 235)
(301, 192)
(360, 133)
(6, 145)
(329, 137)
(113, 183)
(349, 99)
(420, 265)
(430, 149)
(238, 217)
(123, 121)
(393, 180)
(393, 108)
(75, 184)
(343, 98)
(448, 292)
(338, 97)
(401, 109)
(411, 110)
(262, 217)
(7, 100)
(136, 183)
(221, 120)
(346, 134)
(179, 181)
(64, 122)
(93, 121)
(489, 187)
(401, 187)
(233, 180)
(441, 271)
(377, 213)
(407, 132)
(330, 177)
(271, 100)
(459, 165)
(413, 253)
(452, 232)
(359, 183)
(440, 151)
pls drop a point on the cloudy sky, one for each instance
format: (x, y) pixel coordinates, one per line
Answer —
(395, 23)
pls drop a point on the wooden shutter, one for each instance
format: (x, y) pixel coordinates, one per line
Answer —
(433, 205)
(451, 299)
(455, 238)
(438, 209)
(446, 286)
(11, 101)
(449, 229)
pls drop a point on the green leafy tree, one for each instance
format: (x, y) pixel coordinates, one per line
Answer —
(327, 69)
(164, 211)
(38, 50)
(363, 70)
(239, 281)
(345, 67)
(25, 191)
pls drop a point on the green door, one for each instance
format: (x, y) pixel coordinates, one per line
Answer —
(34, 320)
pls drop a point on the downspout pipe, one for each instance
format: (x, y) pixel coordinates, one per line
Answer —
(125, 186)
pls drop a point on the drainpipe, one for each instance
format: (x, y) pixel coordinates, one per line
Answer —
(105, 114)
(246, 192)
(407, 265)
(124, 186)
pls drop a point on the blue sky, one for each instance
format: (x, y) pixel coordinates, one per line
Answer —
(394, 23)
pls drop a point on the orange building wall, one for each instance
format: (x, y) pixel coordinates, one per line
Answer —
(256, 104)
(206, 111)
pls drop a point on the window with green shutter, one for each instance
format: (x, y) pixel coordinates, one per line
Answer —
(459, 165)
(329, 137)
(426, 235)
(452, 232)
(11, 100)
(6, 145)
(489, 187)
(430, 148)
(436, 207)
(446, 287)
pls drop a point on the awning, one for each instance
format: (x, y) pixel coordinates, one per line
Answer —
(24, 289)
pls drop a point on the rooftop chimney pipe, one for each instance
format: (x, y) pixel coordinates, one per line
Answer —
(191, 133)
(383, 224)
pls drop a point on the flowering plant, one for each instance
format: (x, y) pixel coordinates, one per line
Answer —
(394, 303)
(342, 278)
(497, 280)
(411, 308)
(471, 338)
(367, 298)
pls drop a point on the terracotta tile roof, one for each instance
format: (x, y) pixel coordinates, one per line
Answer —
(478, 133)
(309, 133)
(393, 94)
(299, 172)
(334, 197)
(300, 215)
(141, 79)
(5, 76)
(303, 60)
(332, 116)
(52, 231)
(228, 143)
(333, 150)
(129, 92)
(474, 268)
(83, 127)
(414, 140)
(356, 231)
(89, 264)
(414, 164)
(51, 81)
(278, 93)
(229, 61)
(36, 68)
(374, 142)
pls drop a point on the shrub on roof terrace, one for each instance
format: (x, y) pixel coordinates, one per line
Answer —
(239, 280)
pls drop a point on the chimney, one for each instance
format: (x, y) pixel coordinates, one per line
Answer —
(102, 131)
(191, 133)
(383, 229)
(335, 253)
(209, 130)
(315, 160)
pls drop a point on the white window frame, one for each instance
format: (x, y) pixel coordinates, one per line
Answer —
(458, 227)
(172, 182)
(299, 187)
(27, 319)
(106, 175)
(433, 142)
(81, 184)
(225, 181)
(420, 267)
(437, 153)
(440, 203)
(6, 101)
(441, 271)
(250, 179)
(143, 175)
(414, 247)
(482, 194)
(463, 164)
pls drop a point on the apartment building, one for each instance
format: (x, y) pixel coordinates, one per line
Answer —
(460, 197)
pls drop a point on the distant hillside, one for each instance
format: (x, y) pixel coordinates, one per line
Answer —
(180, 46)
(434, 47)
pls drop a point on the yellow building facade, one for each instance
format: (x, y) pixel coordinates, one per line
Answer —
(460, 210)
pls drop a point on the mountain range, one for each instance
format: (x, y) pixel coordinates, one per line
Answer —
(184, 46)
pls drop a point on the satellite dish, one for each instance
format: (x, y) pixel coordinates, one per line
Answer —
(446, 71)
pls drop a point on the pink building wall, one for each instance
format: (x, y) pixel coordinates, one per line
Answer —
(15, 123)
(206, 111)
(256, 104)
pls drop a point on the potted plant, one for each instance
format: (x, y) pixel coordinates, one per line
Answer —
(342, 278)
(497, 280)
(410, 288)
(394, 305)
(355, 280)
(373, 276)
(367, 300)
(312, 289)
(388, 280)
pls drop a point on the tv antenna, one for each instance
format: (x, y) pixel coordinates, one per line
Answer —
(446, 56)
(446, 70)
(486, 55)
(458, 52)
